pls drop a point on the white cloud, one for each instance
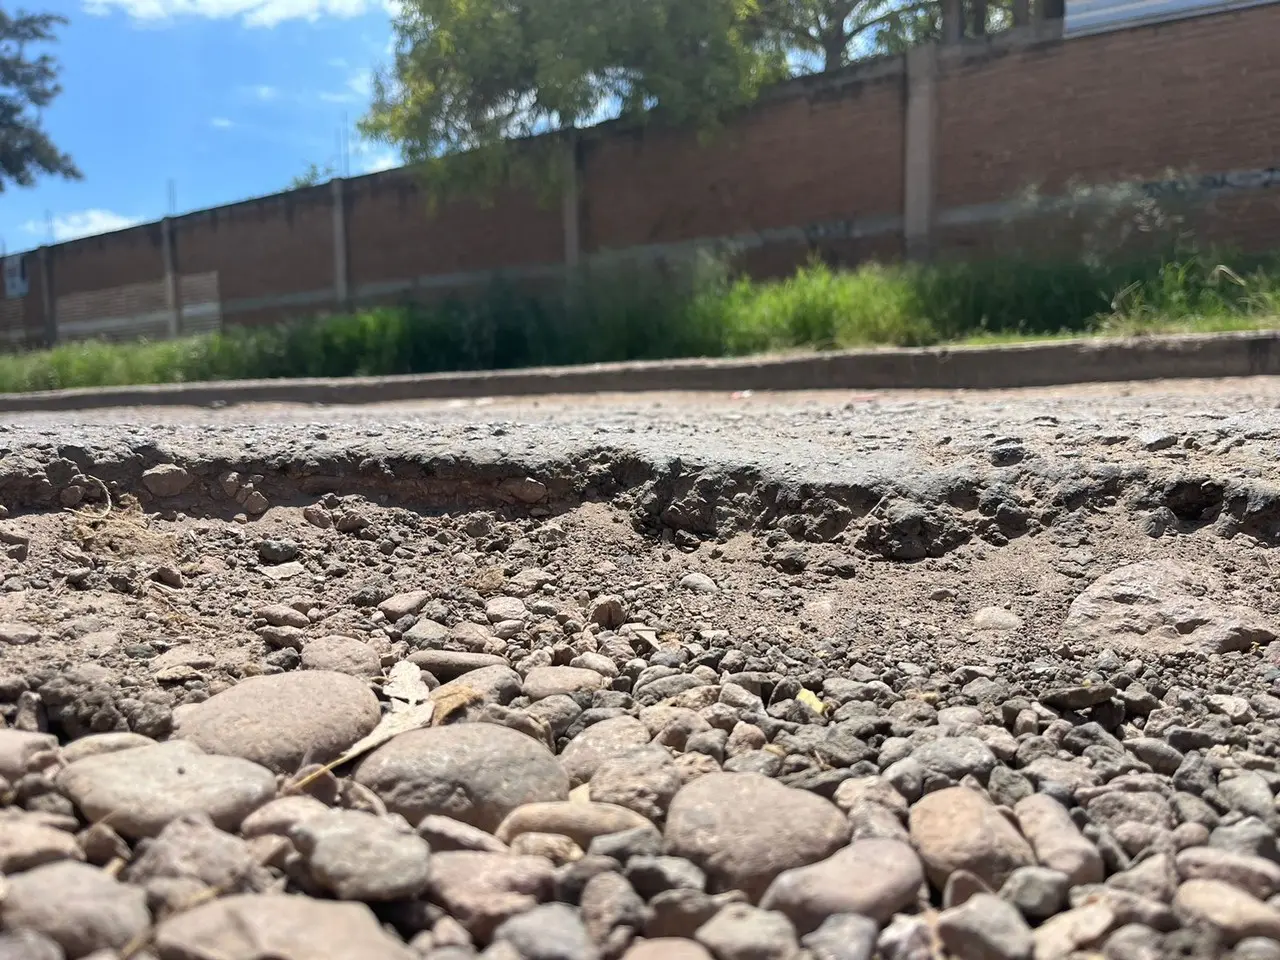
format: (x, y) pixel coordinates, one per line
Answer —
(380, 160)
(222, 123)
(262, 91)
(370, 157)
(253, 13)
(85, 223)
(359, 89)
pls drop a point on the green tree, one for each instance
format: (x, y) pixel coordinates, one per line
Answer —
(471, 75)
(471, 79)
(313, 176)
(28, 84)
(823, 35)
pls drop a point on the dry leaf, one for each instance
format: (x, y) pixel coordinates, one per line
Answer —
(392, 725)
(405, 686)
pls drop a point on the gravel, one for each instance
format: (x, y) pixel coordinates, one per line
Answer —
(812, 677)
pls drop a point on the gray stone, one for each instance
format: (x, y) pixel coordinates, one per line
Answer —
(743, 932)
(1037, 892)
(1162, 607)
(446, 665)
(191, 848)
(1250, 948)
(1078, 697)
(651, 875)
(744, 829)
(279, 927)
(845, 936)
(600, 742)
(956, 757)
(25, 843)
(474, 772)
(358, 856)
(1249, 793)
(699, 583)
(283, 721)
(1227, 909)
(404, 604)
(1133, 941)
(1255, 875)
(483, 890)
(624, 845)
(985, 928)
(668, 948)
(874, 878)
(581, 821)
(445, 833)
(1249, 836)
(29, 945)
(1057, 841)
(337, 654)
(17, 747)
(166, 480)
(139, 791)
(543, 682)
(680, 912)
(608, 902)
(552, 931)
(80, 907)
(645, 780)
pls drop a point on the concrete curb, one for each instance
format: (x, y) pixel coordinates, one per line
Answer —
(947, 368)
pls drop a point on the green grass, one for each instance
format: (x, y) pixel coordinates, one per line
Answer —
(694, 309)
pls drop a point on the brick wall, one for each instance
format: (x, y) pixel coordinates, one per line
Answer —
(1201, 94)
(815, 168)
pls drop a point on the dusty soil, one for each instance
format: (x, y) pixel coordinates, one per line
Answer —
(794, 547)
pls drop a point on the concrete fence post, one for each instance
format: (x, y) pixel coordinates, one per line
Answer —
(920, 150)
(571, 204)
(172, 286)
(341, 264)
(46, 298)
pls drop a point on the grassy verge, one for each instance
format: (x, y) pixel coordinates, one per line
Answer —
(694, 309)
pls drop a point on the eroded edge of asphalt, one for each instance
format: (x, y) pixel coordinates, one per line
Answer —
(898, 506)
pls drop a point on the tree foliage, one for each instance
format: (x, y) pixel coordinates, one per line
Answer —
(28, 84)
(313, 176)
(474, 77)
(469, 75)
(828, 34)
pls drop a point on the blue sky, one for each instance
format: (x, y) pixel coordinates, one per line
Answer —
(227, 99)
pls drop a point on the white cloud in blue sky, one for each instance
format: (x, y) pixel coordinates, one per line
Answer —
(228, 99)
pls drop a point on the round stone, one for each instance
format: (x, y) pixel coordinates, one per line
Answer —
(743, 829)
(139, 791)
(543, 682)
(600, 742)
(473, 772)
(338, 654)
(80, 907)
(280, 721)
(957, 828)
(277, 926)
(875, 878)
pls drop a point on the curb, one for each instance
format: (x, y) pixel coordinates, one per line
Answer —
(1053, 363)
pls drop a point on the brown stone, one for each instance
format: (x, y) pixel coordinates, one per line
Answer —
(959, 828)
